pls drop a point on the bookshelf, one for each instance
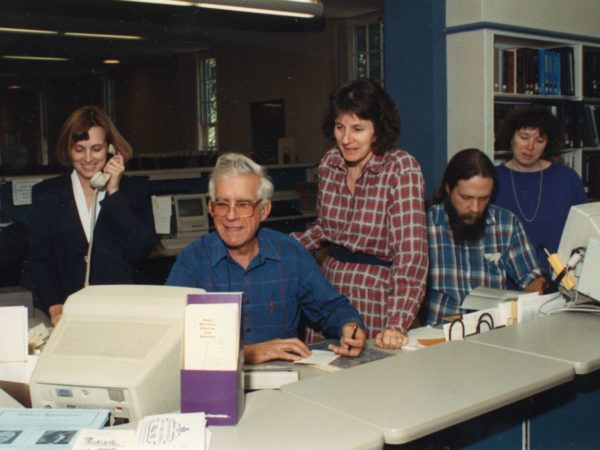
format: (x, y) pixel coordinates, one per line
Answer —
(509, 68)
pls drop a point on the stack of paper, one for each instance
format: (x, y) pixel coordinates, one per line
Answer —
(13, 334)
(268, 376)
(15, 363)
(157, 432)
(38, 428)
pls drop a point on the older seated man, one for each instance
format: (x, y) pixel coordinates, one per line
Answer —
(279, 278)
(472, 242)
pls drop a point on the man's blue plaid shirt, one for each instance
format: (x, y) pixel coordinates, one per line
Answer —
(282, 281)
(455, 269)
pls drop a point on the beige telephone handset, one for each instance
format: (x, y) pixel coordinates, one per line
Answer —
(100, 179)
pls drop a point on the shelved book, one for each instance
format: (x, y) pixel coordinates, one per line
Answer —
(591, 72)
(531, 71)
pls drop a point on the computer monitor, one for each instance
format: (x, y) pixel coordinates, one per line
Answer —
(581, 228)
(117, 347)
(191, 214)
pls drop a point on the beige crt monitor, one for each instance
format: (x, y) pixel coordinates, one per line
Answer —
(117, 347)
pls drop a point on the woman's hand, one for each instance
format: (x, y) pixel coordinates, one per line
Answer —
(391, 338)
(115, 167)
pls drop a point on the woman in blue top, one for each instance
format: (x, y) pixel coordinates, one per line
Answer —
(537, 190)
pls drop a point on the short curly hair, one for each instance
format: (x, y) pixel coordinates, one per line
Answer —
(368, 101)
(531, 116)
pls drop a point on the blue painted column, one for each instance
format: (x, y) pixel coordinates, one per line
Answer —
(415, 77)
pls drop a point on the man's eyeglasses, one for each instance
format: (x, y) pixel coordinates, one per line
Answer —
(241, 209)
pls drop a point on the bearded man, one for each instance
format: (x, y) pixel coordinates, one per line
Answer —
(472, 242)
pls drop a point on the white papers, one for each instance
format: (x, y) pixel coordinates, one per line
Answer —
(106, 439)
(481, 321)
(48, 428)
(212, 336)
(268, 376)
(18, 371)
(483, 298)
(423, 337)
(13, 334)
(158, 432)
(531, 305)
(38, 335)
(320, 359)
(21, 190)
(161, 207)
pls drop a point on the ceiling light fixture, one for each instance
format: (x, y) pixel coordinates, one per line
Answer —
(69, 33)
(305, 9)
(35, 58)
(163, 2)
(26, 31)
(102, 36)
(111, 61)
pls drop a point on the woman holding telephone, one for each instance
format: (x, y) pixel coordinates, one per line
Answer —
(93, 224)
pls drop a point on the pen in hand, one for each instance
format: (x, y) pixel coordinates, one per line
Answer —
(353, 336)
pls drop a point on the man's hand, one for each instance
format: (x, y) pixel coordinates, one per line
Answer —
(352, 341)
(538, 285)
(290, 349)
(391, 338)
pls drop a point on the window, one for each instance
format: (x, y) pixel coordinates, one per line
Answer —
(368, 50)
(207, 103)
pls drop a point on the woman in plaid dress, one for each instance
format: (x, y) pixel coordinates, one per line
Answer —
(371, 214)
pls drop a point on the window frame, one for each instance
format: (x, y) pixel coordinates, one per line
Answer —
(354, 54)
(207, 103)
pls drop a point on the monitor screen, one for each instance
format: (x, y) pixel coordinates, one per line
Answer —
(190, 207)
(582, 225)
(191, 213)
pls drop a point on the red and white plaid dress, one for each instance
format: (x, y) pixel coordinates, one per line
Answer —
(386, 218)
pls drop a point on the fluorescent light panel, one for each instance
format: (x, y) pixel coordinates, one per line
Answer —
(102, 36)
(291, 8)
(35, 58)
(69, 33)
(163, 2)
(26, 31)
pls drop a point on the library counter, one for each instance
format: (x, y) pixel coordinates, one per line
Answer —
(571, 337)
(418, 393)
(273, 420)
(499, 389)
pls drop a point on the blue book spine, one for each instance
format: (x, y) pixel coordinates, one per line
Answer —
(542, 71)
